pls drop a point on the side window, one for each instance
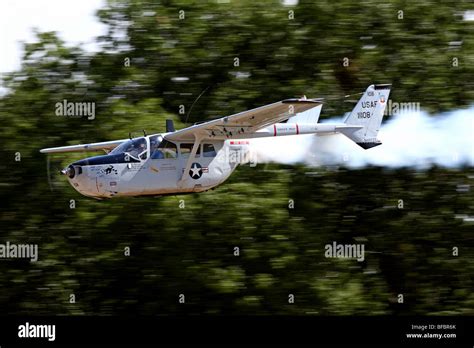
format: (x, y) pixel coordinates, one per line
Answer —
(186, 149)
(165, 150)
(208, 150)
(198, 151)
(155, 140)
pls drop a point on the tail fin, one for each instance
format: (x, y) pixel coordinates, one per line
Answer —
(309, 116)
(367, 114)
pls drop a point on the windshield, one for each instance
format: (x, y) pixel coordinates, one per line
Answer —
(135, 148)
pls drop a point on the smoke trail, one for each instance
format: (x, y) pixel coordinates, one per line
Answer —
(413, 139)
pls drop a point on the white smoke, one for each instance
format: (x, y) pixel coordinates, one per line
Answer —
(413, 139)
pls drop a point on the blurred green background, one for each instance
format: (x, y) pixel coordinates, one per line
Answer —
(283, 51)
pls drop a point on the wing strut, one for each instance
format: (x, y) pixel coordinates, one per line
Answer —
(192, 156)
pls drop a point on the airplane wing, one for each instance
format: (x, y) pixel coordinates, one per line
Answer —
(241, 124)
(105, 145)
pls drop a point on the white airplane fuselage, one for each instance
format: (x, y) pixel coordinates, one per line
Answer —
(101, 178)
(117, 174)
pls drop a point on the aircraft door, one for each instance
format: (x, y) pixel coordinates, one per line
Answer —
(164, 167)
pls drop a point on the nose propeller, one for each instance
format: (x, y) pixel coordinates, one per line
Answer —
(69, 171)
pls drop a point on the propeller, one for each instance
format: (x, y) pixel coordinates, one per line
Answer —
(54, 173)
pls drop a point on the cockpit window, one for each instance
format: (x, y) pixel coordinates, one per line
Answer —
(136, 148)
(155, 140)
(165, 149)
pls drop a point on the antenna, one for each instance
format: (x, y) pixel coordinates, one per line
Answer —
(199, 96)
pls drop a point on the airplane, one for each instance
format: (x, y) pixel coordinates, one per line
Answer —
(201, 157)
